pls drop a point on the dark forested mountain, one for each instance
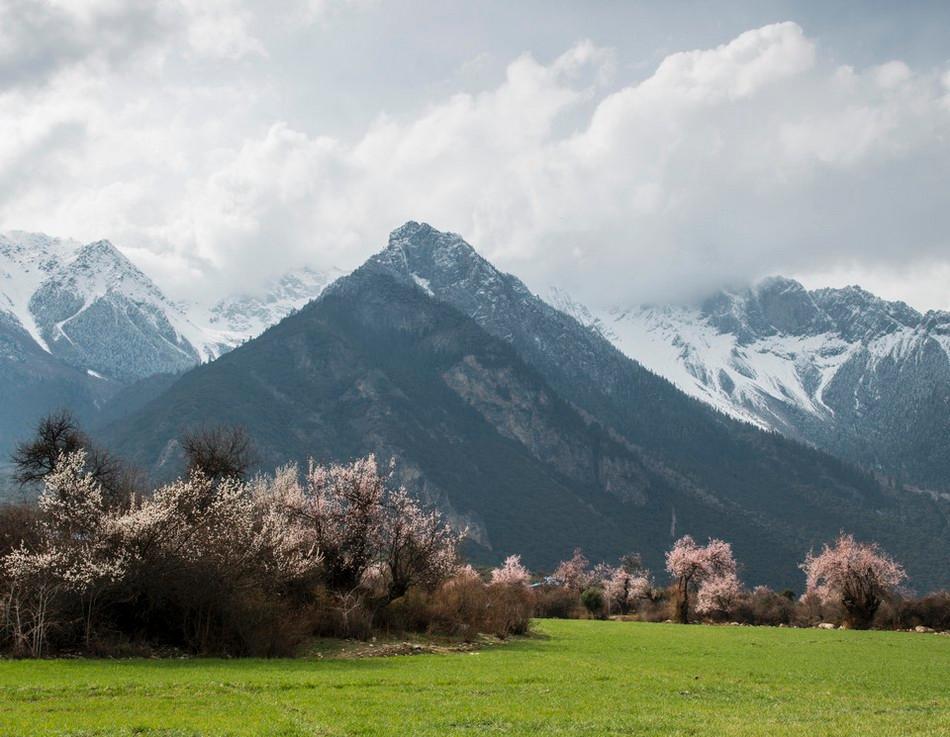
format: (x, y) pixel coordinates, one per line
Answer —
(866, 379)
(529, 427)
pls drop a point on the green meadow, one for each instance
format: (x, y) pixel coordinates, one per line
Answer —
(570, 678)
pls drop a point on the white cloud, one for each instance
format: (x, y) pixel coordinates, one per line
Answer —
(757, 156)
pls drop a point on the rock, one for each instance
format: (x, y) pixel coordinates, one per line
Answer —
(921, 628)
(827, 626)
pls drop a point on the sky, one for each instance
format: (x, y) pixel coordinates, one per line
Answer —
(626, 152)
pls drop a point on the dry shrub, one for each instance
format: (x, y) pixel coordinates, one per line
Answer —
(658, 609)
(459, 607)
(411, 612)
(557, 602)
(931, 611)
(765, 607)
(509, 609)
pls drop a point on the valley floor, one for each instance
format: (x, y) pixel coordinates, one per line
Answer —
(572, 678)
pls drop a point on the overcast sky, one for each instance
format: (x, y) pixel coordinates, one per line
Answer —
(627, 152)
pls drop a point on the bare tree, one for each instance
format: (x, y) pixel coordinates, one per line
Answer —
(218, 452)
(58, 435)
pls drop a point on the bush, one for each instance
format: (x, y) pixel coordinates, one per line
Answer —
(460, 606)
(593, 601)
(509, 609)
(557, 602)
(764, 606)
(660, 608)
(932, 610)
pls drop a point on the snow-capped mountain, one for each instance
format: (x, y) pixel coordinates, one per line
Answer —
(244, 316)
(839, 368)
(90, 307)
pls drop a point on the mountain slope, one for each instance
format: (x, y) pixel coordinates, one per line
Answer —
(863, 378)
(530, 427)
(33, 383)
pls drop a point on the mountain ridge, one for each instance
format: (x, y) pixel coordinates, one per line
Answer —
(842, 369)
(511, 414)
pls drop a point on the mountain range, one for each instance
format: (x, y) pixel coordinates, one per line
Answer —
(79, 322)
(538, 427)
(846, 371)
(528, 427)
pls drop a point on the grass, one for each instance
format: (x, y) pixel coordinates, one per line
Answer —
(573, 678)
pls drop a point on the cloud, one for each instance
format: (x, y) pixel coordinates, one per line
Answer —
(758, 156)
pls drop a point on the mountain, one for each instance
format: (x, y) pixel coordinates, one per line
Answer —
(241, 317)
(33, 382)
(91, 308)
(525, 425)
(863, 378)
(79, 324)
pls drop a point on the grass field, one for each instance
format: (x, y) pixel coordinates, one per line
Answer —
(574, 678)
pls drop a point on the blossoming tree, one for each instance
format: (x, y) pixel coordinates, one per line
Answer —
(691, 565)
(856, 575)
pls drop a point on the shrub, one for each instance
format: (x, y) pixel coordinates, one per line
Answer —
(593, 600)
(509, 609)
(557, 602)
(931, 611)
(460, 606)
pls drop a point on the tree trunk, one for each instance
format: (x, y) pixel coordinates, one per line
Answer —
(682, 603)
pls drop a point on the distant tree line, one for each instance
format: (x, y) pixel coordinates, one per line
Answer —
(220, 562)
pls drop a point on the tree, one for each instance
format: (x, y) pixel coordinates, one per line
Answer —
(218, 452)
(719, 595)
(56, 434)
(59, 435)
(573, 574)
(418, 547)
(511, 573)
(856, 575)
(77, 549)
(593, 600)
(365, 530)
(690, 565)
(623, 588)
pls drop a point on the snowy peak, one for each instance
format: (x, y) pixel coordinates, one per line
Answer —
(859, 315)
(240, 317)
(92, 308)
(839, 368)
(421, 250)
(774, 306)
(445, 266)
(782, 306)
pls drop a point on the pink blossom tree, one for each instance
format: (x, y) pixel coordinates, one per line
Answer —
(374, 540)
(690, 565)
(574, 574)
(719, 595)
(856, 575)
(623, 589)
(511, 573)
(78, 548)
